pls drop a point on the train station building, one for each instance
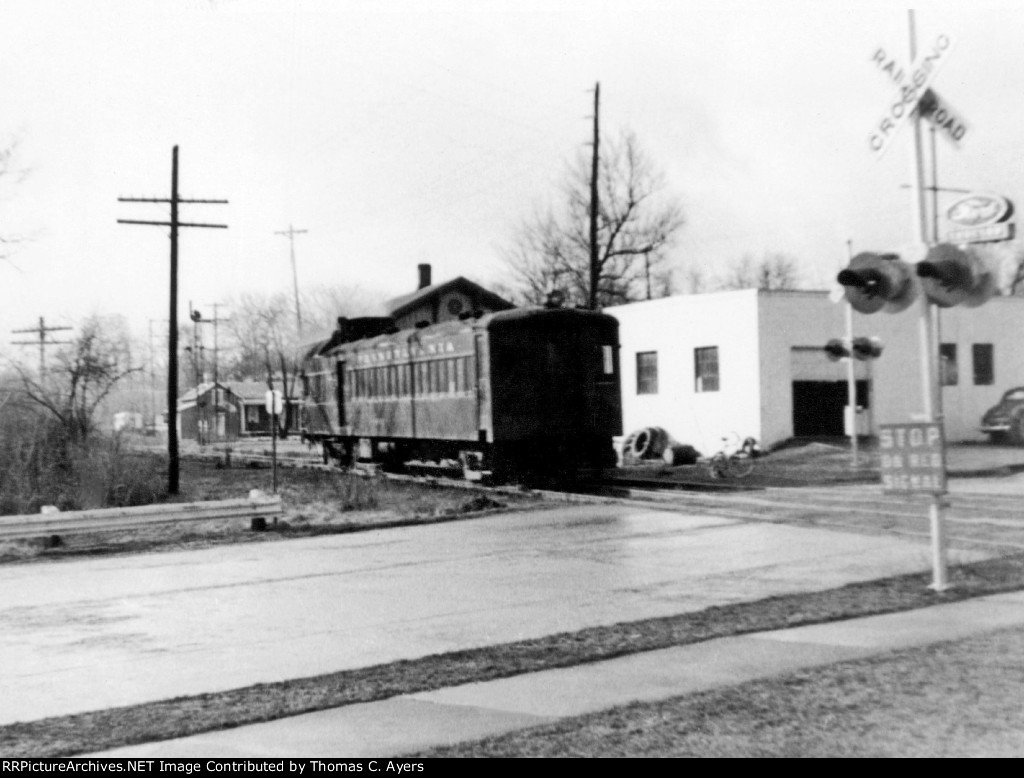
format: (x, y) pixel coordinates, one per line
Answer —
(752, 362)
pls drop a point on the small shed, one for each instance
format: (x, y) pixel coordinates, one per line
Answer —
(209, 413)
(251, 399)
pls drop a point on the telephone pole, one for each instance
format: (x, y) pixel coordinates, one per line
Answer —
(594, 200)
(41, 331)
(290, 233)
(172, 335)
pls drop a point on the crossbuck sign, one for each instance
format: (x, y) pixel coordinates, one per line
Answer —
(903, 103)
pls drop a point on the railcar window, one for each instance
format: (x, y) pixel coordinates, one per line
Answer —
(647, 372)
(608, 356)
(460, 374)
(706, 368)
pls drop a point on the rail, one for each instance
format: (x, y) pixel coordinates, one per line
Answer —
(110, 519)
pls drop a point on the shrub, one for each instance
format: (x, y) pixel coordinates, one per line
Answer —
(40, 465)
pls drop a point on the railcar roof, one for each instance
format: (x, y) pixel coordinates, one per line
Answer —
(540, 316)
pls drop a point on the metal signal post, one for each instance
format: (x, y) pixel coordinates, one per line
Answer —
(925, 329)
(173, 467)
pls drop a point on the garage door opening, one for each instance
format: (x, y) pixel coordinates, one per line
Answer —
(818, 407)
(819, 392)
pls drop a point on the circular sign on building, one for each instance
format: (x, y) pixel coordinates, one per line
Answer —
(981, 217)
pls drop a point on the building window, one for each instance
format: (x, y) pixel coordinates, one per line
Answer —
(647, 372)
(705, 369)
(949, 373)
(984, 364)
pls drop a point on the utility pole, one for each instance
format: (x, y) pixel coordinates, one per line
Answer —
(41, 330)
(594, 204)
(173, 467)
(290, 233)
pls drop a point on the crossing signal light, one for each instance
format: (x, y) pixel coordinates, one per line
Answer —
(837, 349)
(951, 276)
(861, 348)
(867, 348)
(874, 282)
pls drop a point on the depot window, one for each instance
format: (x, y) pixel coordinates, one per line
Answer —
(949, 373)
(647, 372)
(984, 364)
(705, 369)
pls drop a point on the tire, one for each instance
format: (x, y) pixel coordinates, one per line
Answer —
(650, 443)
(641, 444)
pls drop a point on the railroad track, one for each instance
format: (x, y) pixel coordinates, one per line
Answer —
(974, 520)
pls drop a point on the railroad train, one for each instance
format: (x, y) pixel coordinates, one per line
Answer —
(504, 396)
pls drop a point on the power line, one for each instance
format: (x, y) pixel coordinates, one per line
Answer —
(172, 335)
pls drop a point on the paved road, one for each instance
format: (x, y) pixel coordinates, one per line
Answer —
(89, 634)
(984, 514)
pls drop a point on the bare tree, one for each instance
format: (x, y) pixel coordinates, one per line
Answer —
(324, 304)
(637, 222)
(265, 343)
(83, 376)
(1006, 261)
(774, 271)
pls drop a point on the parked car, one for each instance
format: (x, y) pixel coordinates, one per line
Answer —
(1005, 421)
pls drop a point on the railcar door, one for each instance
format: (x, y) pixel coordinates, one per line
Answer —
(340, 391)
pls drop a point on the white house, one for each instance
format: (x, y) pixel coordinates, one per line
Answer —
(751, 362)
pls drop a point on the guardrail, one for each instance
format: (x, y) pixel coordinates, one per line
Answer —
(109, 519)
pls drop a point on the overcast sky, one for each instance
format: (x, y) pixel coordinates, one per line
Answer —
(404, 132)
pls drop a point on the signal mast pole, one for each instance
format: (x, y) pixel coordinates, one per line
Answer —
(173, 466)
(851, 377)
(929, 386)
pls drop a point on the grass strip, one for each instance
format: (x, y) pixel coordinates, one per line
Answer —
(958, 699)
(182, 716)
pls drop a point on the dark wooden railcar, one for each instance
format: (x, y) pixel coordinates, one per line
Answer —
(514, 392)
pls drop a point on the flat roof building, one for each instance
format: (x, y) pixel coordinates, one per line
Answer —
(751, 362)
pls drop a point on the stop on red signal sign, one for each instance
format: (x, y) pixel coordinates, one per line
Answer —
(912, 458)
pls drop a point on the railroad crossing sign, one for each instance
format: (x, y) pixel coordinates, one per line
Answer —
(912, 458)
(911, 89)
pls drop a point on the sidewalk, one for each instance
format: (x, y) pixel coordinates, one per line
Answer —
(415, 722)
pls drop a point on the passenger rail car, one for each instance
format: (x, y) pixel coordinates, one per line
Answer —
(513, 393)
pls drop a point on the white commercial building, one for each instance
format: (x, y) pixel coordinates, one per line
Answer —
(752, 363)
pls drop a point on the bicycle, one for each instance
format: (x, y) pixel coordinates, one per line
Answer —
(734, 460)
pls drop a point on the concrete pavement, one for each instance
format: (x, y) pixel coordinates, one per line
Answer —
(92, 634)
(410, 723)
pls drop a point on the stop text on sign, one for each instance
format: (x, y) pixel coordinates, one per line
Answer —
(912, 458)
